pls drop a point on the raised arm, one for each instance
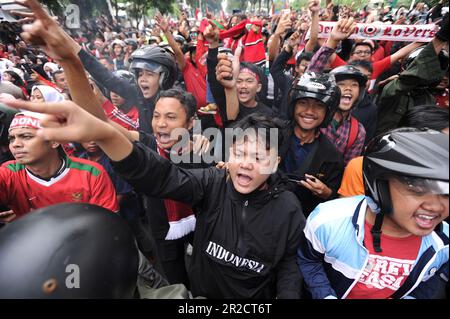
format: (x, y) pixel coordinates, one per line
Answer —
(284, 24)
(226, 74)
(211, 35)
(107, 79)
(403, 52)
(314, 8)
(283, 80)
(165, 28)
(143, 168)
(59, 45)
(342, 30)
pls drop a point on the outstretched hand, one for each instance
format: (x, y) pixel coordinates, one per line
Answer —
(211, 34)
(46, 32)
(342, 30)
(65, 121)
(162, 23)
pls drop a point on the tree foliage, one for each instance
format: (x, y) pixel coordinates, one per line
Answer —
(89, 8)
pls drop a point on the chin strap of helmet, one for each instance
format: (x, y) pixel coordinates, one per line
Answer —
(376, 232)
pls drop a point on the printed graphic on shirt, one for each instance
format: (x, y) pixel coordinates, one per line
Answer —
(227, 257)
(385, 272)
(77, 197)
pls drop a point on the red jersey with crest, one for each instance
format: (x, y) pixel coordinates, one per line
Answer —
(79, 181)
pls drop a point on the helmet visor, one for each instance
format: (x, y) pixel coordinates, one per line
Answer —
(424, 186)
(146, 65)
(299, 94)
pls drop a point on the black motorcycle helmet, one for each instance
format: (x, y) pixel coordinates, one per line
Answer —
(70, 250)
(131, 42)
(126, 75)
(419, 157)
(6, 116)
(155, 59)
(321, 87)
(346, 72)
(179, 38)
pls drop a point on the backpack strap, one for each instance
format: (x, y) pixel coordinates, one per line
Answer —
(354, 130)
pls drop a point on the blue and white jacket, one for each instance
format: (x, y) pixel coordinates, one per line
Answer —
(333, 256)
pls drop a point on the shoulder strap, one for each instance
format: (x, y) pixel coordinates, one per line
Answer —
(354, 130)
(309, 158)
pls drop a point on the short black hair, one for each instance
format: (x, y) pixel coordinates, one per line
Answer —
(254, 68)
(57, 72)
(426, 116)
(304, 56)
(263, 80)
(358, 44)
(17, 80)
(262, 123)
(186, 99)
(363, 64)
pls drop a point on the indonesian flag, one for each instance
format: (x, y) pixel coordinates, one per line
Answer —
(286, 4)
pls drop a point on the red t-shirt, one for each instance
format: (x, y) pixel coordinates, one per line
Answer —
(386, 271)
(81, 181)
(201, 54)
(378, 54)
(378, 67)
(195, 83)
(129, 120)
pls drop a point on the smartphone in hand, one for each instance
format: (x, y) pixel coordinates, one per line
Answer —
(230, 57)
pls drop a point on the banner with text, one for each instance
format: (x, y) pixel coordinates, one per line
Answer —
(388, 32)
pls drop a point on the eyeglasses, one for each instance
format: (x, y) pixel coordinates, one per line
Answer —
(363, 52)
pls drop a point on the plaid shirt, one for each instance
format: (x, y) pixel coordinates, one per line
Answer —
(320, 59)
(339, 137)
(340, 134)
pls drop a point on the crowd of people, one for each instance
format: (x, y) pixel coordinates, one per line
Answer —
(248, 156)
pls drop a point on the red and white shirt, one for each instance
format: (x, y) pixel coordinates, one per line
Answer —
(129, 120)
(385, 272)
(80, 181)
